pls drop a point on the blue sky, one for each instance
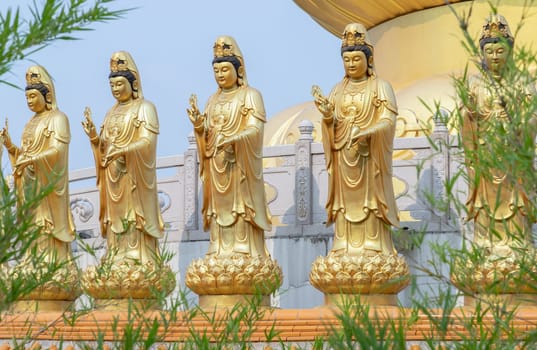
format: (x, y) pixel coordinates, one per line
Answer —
(285, 52)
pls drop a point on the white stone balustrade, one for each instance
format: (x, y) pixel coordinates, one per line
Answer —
(296, 187)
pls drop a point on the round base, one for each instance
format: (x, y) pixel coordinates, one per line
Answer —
(125, 304)
(230, 300)
(513, 300)
(35, 306)
(238, 274)
(500, 270)
(127, 280)
(372, 273)
(334, 300)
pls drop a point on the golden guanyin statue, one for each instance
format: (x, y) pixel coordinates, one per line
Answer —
(497, 109)
(125, 160)
(496, 206)
(358, 126)
(229, 135)
(40, 165)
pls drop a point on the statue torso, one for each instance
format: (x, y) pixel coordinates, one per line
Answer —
(33, 132)
(224, 113)
(119, 122)
(352, 102)
(355, 103)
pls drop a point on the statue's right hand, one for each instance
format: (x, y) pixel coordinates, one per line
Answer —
(193, 112)
(6, 139)
(88, 125)
(326, 108)
(321, 102)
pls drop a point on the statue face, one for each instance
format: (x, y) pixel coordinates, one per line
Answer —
(121, 89)
(355, 64)
(35, 101)
(495, 55)
(225, 75)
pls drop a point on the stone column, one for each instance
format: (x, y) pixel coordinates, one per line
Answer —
(440, 166)
(191, 185)
(303, 173)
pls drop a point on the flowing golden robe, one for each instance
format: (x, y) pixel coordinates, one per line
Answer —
(130, 214)
(497, 208)
(234, 205)
(46, 139)
(361, 200)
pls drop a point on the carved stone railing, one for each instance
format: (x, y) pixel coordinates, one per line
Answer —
(296, 188)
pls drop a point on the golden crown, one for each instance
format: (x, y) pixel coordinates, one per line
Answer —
(223, 50)
(353, 39)
(33, 78)
(118, 64)
(355, 34)
(496, 27)
(38, 75)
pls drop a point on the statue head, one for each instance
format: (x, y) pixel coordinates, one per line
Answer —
(122, 65)
(355, 39)
(496, 43)
(37, 78)
(226, 50)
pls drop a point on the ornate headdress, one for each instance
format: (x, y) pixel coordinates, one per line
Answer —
(37, 76)
(495, 27)
(355, 34)
(122, 61)
(226, 46)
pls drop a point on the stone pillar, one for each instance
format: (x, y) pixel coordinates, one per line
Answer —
(191, 185)
(303, 173)
(440, 166)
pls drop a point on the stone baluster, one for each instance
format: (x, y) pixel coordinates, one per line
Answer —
(440, 163)
(191, 185)
(303, 173)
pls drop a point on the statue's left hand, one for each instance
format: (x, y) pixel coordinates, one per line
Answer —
(22, 162)
(224, 142)
(112, 154)
(356, 134)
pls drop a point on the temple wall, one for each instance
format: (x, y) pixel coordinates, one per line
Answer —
(296, 188)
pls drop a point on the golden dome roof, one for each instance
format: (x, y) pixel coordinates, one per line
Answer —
(333, 15)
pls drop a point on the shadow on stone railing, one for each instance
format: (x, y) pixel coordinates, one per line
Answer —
(296, 179)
